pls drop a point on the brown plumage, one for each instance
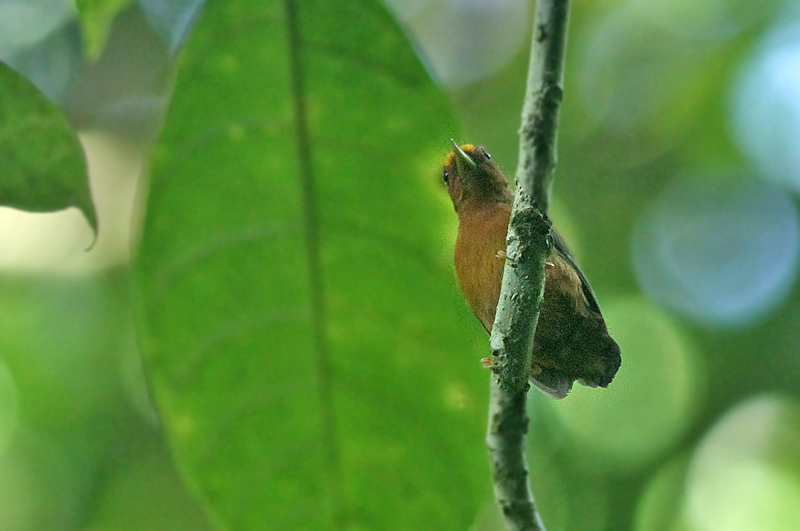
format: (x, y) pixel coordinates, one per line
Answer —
(572, 341)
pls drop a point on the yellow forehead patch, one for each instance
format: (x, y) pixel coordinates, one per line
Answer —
(466, 148)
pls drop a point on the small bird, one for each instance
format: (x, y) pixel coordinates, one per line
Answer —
(571, 341)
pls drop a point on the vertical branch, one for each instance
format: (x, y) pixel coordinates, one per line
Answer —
(524, 278)
(537, 146)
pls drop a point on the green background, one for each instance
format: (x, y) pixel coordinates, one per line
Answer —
(265, 332)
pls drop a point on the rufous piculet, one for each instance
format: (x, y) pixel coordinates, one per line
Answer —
(571, 341)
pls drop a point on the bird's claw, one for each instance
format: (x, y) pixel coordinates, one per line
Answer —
(489, 362)
(504, 256)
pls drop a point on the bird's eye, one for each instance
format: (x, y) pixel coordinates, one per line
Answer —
(488, 157)
(446, 177)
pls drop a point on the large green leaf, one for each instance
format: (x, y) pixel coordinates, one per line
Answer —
(302, 332)
(42, 167)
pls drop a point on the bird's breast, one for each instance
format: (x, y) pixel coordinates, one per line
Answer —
(481, 235)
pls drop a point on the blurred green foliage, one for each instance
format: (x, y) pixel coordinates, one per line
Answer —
(300, 357)
(96, 17)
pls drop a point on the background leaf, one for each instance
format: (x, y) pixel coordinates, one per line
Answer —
(298, 302)
(42, 168)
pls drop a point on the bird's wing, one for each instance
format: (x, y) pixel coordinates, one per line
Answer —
(561, 246)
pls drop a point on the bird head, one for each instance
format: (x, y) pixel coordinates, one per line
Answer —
(473, 178)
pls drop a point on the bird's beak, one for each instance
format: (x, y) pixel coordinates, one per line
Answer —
(463, 162)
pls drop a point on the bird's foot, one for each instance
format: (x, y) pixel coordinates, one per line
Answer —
(504, 256)
(489, 362)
